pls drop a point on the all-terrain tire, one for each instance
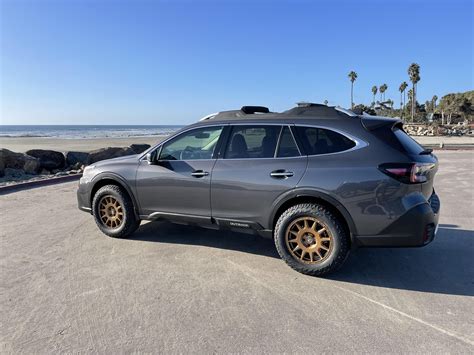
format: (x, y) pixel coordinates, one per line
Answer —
(129, 223)
(338, 252)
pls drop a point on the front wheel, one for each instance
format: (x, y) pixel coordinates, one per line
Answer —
(311, 240)
(114, 213)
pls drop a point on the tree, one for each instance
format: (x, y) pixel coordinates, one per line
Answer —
(433, 102)
(374, 92)
(402, 88)
(382, 90)
(326, 102)
(414, 74)
(352, 76)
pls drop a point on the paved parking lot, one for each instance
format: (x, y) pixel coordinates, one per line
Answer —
(65, 287)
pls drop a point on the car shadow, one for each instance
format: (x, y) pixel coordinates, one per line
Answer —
(165, 232)
(446, 266)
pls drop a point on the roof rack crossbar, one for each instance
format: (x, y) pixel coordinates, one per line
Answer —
(249, 110)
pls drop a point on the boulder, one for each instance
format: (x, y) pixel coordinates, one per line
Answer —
(49, 159)
(108, 153)
(20, 161)
(139, 148)
(74, 158)
(2, 168)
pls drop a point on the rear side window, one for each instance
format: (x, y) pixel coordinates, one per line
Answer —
(323, 141)
(252, 142)
(287, 147)
(408, 143)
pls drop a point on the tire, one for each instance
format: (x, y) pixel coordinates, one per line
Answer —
(304, 248)
(119, 224)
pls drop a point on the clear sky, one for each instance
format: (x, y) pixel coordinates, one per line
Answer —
(171, 62)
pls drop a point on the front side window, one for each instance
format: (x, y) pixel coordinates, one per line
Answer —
(252, 142)
(323, 141)
(196, 144)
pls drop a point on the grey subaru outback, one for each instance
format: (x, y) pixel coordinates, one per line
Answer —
(320, 180)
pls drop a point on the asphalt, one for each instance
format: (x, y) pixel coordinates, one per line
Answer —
(65, 287)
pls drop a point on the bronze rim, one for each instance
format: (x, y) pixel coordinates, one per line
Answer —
(309, 240)
(110, 212)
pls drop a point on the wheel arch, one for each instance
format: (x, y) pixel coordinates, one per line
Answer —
(314, 196)
(112, 179)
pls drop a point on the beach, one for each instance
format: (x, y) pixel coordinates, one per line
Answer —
(22, 144)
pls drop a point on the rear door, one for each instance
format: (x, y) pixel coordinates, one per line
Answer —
(260, 162)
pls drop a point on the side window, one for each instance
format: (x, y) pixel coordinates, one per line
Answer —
(323, 141)
(252, 142)
(287, 147)
(196, 144)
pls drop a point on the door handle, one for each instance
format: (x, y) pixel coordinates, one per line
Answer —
(199, 173)
(281, 174)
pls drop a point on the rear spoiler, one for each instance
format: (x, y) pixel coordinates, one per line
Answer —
(371, 123)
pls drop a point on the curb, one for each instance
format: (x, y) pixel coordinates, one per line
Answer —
(4, 190)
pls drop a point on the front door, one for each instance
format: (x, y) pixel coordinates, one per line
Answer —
(260, 163)
(178, 181)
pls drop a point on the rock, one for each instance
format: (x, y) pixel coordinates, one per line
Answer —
(139, 148)
(108, 153)
(49, 159)
(2, 168)
(73, 158)
(45, 172)
(12, 160)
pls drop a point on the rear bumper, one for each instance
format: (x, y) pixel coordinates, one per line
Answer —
(415, 228)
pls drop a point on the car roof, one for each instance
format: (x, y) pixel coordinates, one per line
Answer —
(263, 114)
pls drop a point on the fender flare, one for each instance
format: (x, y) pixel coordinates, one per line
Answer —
(121, 181)
(313, 193)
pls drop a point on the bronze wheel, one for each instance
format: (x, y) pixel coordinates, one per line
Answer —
(111, 213)
(309, 240)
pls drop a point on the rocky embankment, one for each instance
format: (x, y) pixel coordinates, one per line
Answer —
(456, 130)
(40, 164)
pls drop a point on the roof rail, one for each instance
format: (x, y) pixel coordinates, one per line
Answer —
(209, 116)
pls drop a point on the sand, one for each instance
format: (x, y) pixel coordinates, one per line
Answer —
(22, 144)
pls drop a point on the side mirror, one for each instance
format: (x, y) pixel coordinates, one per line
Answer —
(151, 157)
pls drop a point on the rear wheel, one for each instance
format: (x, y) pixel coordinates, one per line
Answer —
(311, 240)
(114, 213)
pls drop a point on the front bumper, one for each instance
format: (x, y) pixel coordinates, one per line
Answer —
(83, 197)
(415, 228)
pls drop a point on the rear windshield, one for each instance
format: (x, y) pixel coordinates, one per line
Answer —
(408, 143)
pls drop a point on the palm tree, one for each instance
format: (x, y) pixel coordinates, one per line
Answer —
(382, 90)
(374, 92)
(402, 89)
(410, 96)
(352, 76)
(433, 102)
(414, 74)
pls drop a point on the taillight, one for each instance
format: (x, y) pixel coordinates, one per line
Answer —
(408, 173)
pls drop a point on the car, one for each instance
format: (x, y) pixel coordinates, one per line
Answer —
(321, 181)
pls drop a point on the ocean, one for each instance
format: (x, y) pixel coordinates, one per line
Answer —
(86, 131)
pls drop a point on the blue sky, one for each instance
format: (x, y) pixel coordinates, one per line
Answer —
(171, 62)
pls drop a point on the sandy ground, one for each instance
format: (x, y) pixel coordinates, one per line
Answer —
(65, 287)
(85, 145)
